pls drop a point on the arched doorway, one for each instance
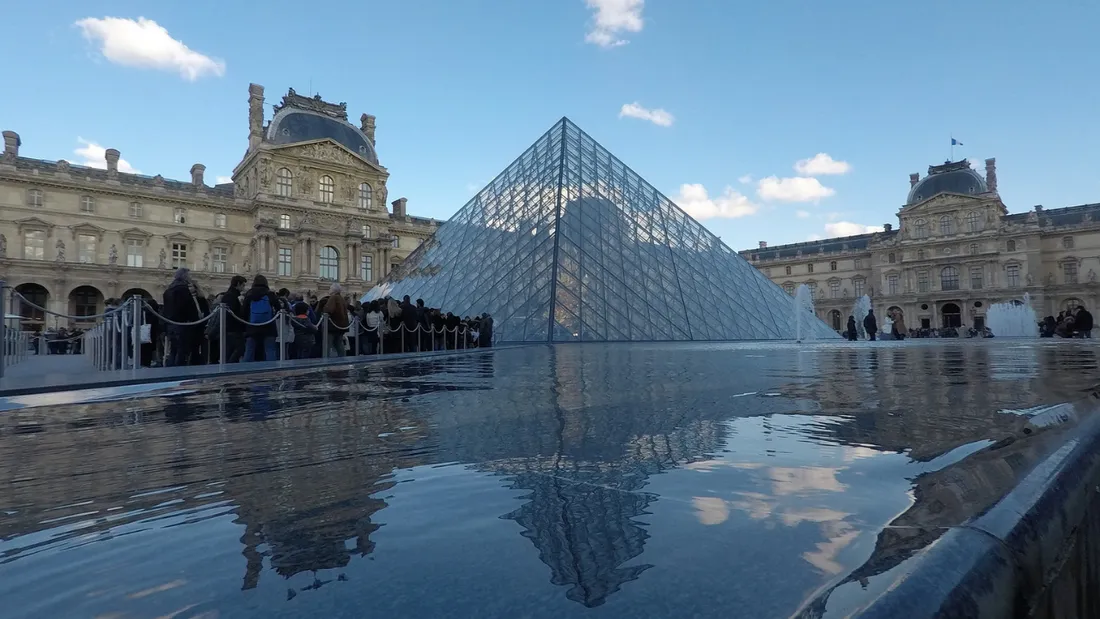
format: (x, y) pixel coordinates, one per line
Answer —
(137, 292)
(834, 319)
(952, 316)
(85, 301)
(31, 318)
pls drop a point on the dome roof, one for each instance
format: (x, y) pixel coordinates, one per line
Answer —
(951, 177)
(292, 125)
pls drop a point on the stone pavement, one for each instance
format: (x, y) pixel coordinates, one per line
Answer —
(49, 373)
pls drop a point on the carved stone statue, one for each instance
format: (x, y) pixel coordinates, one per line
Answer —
(1092, 276)
(265, 173)
(206, 262)
(112, 255)
(60, 247)
(247, 264)
(1087, 217)
(1029, 280)
(63, 166)
(158, 180)
(1032, 217)
(1050, 279)
(163, 263)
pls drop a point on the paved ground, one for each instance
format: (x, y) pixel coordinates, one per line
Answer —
(47, 373)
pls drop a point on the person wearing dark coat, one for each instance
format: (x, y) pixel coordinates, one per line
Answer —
(181, 305)
(1082, 322)
(262, 336)
(852, 334)
(485, 340)
(870, 325)
(410, 318)
(234, 329)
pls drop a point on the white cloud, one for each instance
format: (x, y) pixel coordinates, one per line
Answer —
(694, 200)
(745, 180)
(656, 116)
(847, 228)
(813, 237)
(802, 214)
(821, 164)
(147, 45)
(94, 156)
(221, 180)
(612, 18)
(794, 189)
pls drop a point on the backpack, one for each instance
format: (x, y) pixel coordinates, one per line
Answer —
(213, 326)
(260, 310)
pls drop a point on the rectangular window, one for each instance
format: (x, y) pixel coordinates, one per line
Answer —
(976, 278)
(858, 263)
(135, 210)
(221, 259)
(1012, 276)
(922, 281)
(286, 261)
(179, 216)
(34, 245)
(1069, 271)
(366, 268)
(219, 220)
(135, 253)
(85, 246)
(891, 284)
(179, 255)
(834, 290)
(857, 287)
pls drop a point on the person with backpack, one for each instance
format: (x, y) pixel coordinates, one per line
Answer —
(259, 306)
(234, 329)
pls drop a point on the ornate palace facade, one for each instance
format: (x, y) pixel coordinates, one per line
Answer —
(956, 251)
(306, 207)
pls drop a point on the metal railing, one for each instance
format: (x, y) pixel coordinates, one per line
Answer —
(116, 342)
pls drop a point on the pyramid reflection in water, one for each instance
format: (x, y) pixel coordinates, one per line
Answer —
(569, 244)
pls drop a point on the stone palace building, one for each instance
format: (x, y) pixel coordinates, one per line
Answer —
(956, 251)
(307, 206)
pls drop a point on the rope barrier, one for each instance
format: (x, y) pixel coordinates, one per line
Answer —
(52, 313)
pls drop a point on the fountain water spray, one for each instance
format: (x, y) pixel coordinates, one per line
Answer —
(803, 313)
(1013, 319)
(859, 312)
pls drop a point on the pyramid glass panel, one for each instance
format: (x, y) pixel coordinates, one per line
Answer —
(568, 244)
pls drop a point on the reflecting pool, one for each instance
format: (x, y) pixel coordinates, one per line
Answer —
(594, 480)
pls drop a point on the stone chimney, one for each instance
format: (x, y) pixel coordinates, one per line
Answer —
(11, 145)
(112, 156)
(991, 174)
(255, 115)
(887, 227)
(763, 244)
(367, 126)
(399, 207)
(1038, 208)
(914, 178)
(196, 174)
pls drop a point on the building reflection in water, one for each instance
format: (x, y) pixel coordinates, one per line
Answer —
(307, 458)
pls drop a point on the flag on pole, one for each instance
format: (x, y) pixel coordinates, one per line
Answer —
(955, 142)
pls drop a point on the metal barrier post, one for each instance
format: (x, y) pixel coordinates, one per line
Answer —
(3, 329)
(401, 335)
(324, 336)
(280, 329)
(431, 336)
(135, 331)
(221, 333)
(355, 323)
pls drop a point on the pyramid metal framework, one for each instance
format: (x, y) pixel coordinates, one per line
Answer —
(569, 244)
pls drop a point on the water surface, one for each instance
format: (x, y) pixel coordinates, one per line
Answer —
(640, 480)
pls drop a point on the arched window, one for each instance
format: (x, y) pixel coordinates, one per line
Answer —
(396, 241)
(219, 220)
(284, 221)
(832, 265)
(327, 189)
(920, 229)
(284, 182)
(1010, 245)
(973, 222)
(329, 263)
(949, 278)
(788, 270)
(366, 196)
(946, 225)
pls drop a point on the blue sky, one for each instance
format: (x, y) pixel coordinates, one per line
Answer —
(730, 95)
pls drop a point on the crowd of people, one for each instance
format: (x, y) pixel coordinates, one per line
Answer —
(1074, 322)
(185, 329)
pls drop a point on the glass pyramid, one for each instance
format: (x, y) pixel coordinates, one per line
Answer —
(569, 244)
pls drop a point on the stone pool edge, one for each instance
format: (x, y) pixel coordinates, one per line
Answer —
(1029, 555)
